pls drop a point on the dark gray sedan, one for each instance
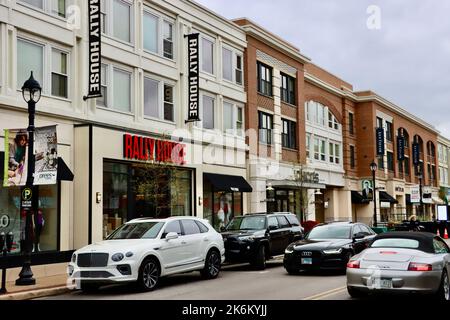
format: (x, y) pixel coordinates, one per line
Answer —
(412, 262)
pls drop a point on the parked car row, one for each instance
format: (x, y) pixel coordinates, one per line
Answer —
(144, 250)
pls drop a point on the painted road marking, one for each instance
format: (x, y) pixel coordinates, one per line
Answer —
(326, 294)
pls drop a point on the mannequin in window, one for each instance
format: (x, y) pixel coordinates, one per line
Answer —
(38, 226)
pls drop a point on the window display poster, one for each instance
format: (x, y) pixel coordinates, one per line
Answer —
(16, 156)
(46, 155)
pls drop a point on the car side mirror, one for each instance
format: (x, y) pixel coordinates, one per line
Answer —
(171, 236)
(358, 236)
(223, 229)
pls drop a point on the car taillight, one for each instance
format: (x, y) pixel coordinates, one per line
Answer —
(353, 264)
(420, 267)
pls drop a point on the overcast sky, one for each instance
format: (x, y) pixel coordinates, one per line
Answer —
(407, 60)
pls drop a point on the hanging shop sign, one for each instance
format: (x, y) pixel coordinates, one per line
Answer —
(46, 156)
(400, 148)
(193, 77)
(416, 153)
(149, 149)
(380, 141)
(367, 189)
(415, 194)
(427, 196)
(95, 54)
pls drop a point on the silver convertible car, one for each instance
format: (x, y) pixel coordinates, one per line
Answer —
(410, 262)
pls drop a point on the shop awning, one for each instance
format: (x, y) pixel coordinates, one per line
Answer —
(437, 200)
(289, 184)
(386, 197)
(357, 198)
(222, 182)
(64, 173)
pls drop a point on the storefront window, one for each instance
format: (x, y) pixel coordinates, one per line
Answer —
(220, 207)
(45, 235)
(144, 190)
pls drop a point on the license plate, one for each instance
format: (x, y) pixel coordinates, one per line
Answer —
(306, 260)
(383, 284)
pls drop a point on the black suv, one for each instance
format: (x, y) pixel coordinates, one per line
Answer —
(255, 238)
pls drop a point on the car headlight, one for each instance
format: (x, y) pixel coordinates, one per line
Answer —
(333, 251)
(117, 257)
(289, 250)
(248, 238)
(74, 258)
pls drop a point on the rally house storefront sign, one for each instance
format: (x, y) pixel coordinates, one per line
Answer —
(148, 149)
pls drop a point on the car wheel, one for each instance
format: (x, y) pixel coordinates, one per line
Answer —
(149, 274)
(355, 293)
(444, 289)
(259, 262)
(212, 265)
(89, 287)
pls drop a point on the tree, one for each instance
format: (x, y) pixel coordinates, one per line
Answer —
(302, 177)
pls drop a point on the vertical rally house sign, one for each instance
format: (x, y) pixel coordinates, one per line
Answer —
(400, 148)
(380, 141)
(193, 80)
(416, 153)
(94, 50)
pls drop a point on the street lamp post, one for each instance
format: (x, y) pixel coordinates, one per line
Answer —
(420, 176)
(374, 168)
(31, 92)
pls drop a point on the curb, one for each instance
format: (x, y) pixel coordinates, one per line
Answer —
(33, 294)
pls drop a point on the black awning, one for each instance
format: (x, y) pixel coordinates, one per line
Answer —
(357, 198)
(386, 197)
(2, 165)
(228, 183)
(64, 173)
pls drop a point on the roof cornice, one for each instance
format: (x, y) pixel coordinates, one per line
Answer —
(273, 41)
(370, 98)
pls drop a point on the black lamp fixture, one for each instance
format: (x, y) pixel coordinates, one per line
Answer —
(374, 168)
(31, 93)
(31, 90)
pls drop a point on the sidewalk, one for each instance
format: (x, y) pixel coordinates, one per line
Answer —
(50, 280)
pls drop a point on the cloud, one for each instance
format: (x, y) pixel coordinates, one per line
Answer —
(407, 61)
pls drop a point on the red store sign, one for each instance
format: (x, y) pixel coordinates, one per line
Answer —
(148, 149)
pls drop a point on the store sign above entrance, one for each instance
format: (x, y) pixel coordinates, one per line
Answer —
(148, 149)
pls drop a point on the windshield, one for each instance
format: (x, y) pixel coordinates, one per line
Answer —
(143, 230)
(396, 243)
(247, 223)
(330, 232)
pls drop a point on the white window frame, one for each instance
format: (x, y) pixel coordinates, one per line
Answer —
(308, 145)
(109, 24)
(214, 62)
(215, 108)
(47, 49)
(68, 71)
(234, 56)
(235, 108)
(110, 88)
(162, 18)
(46, 8)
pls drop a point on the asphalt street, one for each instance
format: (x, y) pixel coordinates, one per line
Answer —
(237, 282)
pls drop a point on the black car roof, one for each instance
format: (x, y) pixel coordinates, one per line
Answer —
(425, 238)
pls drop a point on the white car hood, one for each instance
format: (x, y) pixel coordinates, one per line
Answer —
(119, 246)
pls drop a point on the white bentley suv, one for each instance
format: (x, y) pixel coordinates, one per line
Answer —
(143, 250)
